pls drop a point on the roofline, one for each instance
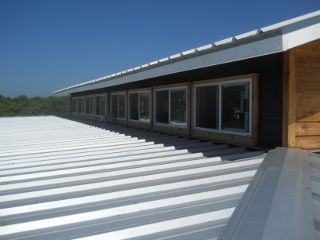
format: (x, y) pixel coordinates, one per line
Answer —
(268, 40)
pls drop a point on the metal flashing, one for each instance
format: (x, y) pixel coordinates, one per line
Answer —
(279, 203)
(290, 33)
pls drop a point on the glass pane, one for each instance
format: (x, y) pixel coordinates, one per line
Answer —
(83, 104)
(122, 106)
(178, 107)
(162, 106)
(87, 105)
(79, 105)
(207, 107)
(114, 102)
(74, 105)
(145, 106)
(98, 105)
(235, 107)
(91, 105)
(134, 104)
(103, 105)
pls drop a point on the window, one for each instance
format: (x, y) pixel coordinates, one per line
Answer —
(207, 114)
(134, 106)
(144, 106)
(171, 106)
(101, 105)
(139, 106)
(75, 105)
(224, 106)
(79, 105)
(83, 105)
(118, 104)
(89, 105)
(235, 107)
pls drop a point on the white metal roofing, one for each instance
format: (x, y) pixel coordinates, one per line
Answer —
(272, 39)
(283, 201)
(62, 179)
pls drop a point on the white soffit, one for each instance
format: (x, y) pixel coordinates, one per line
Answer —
(272, 39)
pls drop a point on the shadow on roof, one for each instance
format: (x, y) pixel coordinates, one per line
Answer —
(225, 151)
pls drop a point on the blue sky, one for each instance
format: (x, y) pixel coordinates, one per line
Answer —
(47, 45)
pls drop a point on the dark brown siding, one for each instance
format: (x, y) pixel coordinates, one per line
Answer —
(270, 73)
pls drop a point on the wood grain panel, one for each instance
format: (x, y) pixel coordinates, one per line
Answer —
(311, 142)
(308, 129)
(315, 45)
(289, 99)
(311, 99)
(308, 70)
(308, 114)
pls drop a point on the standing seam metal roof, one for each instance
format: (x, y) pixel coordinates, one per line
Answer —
(62, 179)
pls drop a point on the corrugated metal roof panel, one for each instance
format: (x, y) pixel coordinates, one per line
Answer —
(62, 179)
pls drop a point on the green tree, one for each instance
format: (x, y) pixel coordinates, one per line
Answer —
(24, 106)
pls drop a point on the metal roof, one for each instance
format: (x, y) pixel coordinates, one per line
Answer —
(283, 200)
(63, 179)
(272, 39)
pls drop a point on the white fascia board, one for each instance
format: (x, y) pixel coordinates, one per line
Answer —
(62, 93)
(248, 34)
(301, 33)
(257, 48)
(290, 21)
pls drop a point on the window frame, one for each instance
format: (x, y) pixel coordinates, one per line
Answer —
(129, 106)
(169, 89)
(220, 83)
(111, 104)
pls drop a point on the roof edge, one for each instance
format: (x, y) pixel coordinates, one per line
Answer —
(285, 28)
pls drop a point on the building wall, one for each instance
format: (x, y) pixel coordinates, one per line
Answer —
(270, 73)
(302, 97)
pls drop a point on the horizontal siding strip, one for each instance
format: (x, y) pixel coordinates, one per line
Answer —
(308, 114)
(308, 129)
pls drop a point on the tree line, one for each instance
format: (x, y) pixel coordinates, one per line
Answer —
(24, 106)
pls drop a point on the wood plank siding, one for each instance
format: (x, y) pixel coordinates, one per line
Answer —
(301, 123)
